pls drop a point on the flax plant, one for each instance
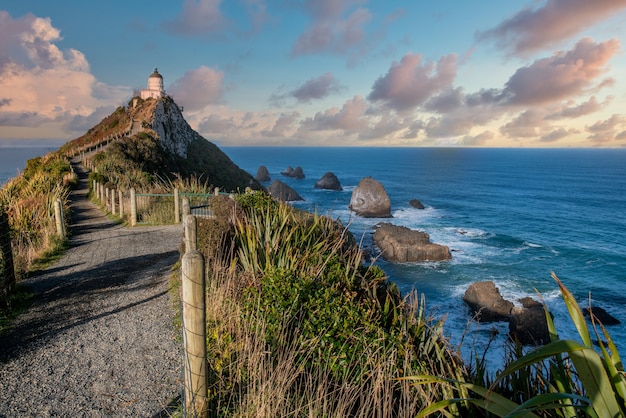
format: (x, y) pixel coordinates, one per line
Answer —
(571, 378)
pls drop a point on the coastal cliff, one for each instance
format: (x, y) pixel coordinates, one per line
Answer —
(153, 136)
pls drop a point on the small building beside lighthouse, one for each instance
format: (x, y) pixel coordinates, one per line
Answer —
(155, 86)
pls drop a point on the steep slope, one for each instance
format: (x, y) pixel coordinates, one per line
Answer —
(153, 136)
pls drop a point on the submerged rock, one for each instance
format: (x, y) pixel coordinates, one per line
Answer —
(601, 315)
(370, 199)
(416, 204)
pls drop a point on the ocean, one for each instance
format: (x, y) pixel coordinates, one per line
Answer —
(508, 215)
(15, 154)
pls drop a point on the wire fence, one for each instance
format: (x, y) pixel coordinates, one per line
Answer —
(152, 208)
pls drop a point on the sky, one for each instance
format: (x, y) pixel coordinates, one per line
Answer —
(492, 73)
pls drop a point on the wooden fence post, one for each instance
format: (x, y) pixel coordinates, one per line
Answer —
(113, 196)
(121, 202)
(190, 232)
(194, 325)
(176, 207)
(58, 217)
(186, 206)
(8, 271)
(133, 208)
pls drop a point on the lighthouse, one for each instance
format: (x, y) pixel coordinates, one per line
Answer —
(155, 86)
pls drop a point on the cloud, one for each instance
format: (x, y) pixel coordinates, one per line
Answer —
(317, 88)
(349, 118)
(447, 101)
(198, 88)
(528, 124)
(557, 134)
(388, 125)
(477, 140)
(43, 85)
(217, 125)
(585, 108)
(198, 17)
(284, 125)
(607, 130)
(554, 21)
(563, 75)
(411, 83)
(313, 89)
(329, 30)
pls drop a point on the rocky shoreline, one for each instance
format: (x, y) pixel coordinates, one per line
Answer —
(398, 244)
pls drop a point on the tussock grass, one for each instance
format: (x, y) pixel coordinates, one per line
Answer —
(28, 200)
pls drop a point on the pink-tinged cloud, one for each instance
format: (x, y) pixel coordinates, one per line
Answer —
(386, 125)
(478, 140)
(316, 88)
(563, 75)
(532, 29)
(198, 17)
(410, 83)
(528, 124)
(557, 134)
(607, 130)
(217, 125)
(284, 125)
(198, 88)
(574, 111)
(333, 27)
(29, 42)
(447, 101)
(349, 118)
(460, 121)
(42, 84)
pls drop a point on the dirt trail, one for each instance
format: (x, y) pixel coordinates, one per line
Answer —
(98, 340)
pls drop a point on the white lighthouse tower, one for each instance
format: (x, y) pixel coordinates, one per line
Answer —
(155, 87)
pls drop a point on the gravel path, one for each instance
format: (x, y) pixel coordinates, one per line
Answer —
(98, 340)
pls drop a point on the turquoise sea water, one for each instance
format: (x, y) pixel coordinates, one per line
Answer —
(508, 215)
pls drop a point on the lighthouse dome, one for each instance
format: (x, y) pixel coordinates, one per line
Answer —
(155, 74)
